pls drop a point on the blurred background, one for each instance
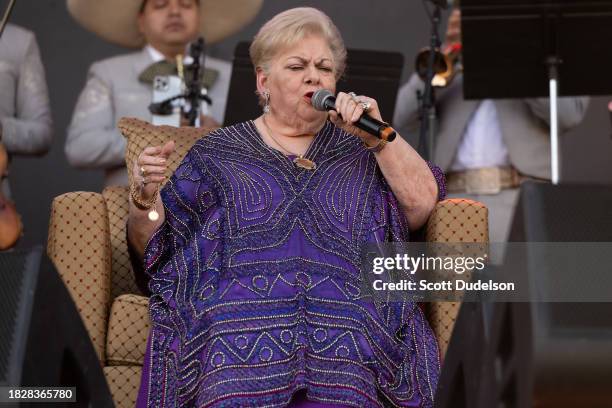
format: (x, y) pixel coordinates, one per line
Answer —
(392, 25)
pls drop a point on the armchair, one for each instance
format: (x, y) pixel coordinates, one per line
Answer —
(87, 243)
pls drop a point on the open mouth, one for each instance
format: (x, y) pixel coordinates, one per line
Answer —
(308, 96)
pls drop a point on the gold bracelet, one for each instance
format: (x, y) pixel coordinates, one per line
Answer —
(379, 146)
(139, 203)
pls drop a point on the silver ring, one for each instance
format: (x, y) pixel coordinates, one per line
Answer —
(365, 105)
(353, 96)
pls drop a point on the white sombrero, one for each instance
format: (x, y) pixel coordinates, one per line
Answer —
(115, 20)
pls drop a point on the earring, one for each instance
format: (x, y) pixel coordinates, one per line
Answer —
(266, 108)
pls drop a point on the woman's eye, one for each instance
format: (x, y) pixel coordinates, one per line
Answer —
(326, 69)
(295, 67)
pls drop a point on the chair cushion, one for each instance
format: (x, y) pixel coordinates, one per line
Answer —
(141, 134)
(128, 329)
(124, 382)
(122, 275)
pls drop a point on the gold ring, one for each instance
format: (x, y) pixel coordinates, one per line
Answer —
(143, 171)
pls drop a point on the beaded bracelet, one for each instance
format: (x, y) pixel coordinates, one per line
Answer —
(145, 205)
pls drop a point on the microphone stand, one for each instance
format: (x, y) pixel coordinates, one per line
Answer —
(427, 97)
(193, 95)
(7, 14)
(194, 84)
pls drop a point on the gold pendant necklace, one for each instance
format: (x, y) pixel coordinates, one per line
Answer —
(300, 160)
(305, 163)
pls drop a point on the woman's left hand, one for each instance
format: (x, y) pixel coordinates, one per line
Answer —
(349, 109)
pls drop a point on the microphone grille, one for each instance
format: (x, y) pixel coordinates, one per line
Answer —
(318, 99)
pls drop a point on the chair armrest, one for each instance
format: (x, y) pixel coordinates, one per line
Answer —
(78, 244)
(458, 220)
(453, 220)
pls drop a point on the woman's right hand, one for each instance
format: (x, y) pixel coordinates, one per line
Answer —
(150, 168)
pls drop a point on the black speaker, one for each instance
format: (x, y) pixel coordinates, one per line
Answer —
(373, 73)
(547, 213)
(539, 353)
(43, 342)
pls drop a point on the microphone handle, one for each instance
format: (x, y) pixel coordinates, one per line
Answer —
(366, 123)
(375, 127)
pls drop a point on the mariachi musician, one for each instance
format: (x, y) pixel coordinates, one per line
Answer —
(25, 116)
(486, 147)
(123, 85)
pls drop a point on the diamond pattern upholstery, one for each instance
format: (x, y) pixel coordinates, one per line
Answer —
(454, 221)
(122, 275)
(128, 328)
(123, 382)
(78, 244)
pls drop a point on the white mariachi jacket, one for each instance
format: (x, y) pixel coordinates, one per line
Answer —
(113, 91)
(25, 116)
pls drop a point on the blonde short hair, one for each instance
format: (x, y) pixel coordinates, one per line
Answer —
(287, 28)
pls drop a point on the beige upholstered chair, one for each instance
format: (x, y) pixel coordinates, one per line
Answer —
(87, 243)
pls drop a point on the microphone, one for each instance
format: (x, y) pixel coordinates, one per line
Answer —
(323, 100)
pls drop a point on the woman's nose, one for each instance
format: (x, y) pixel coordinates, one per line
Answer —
(312, 75)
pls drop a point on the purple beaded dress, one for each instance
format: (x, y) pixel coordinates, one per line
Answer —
(255, 282)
